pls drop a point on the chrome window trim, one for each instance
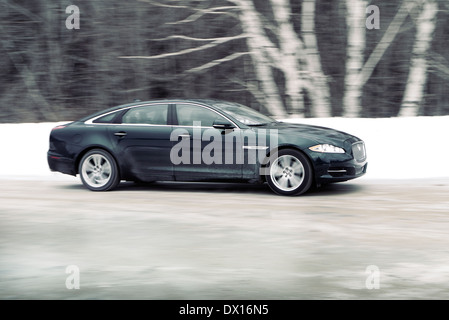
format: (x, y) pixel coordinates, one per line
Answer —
(133, 124)
(255, 147)
(196, 127)
(207, 107)
(91, 120)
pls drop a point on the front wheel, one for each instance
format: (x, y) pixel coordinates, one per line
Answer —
(98, 171)
(289, 173)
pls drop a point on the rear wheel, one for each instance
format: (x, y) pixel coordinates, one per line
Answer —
(289, 173)
(98, 171)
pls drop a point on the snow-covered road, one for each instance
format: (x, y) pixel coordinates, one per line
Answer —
(225, 241)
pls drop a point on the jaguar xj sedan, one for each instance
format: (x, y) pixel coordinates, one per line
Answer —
(202, 141)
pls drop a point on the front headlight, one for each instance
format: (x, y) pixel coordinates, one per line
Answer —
(327, 148)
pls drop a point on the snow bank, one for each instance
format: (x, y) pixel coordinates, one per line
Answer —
(398, 148)
(24, 149)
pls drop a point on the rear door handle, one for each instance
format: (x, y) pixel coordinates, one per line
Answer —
(120, 134)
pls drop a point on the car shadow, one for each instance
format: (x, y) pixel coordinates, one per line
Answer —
(334, 189)
(209, 187)
(212, 187)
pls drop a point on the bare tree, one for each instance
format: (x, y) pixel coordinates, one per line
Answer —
(271, 55)
(298, 61)
(28, 72)
(425, 26)
(355, 57)
(262, 59)
(320, 92)
(358, 73)
(387, 39)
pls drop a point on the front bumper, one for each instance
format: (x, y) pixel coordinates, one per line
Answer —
(60, 164)
(342, 172)
(330, 167)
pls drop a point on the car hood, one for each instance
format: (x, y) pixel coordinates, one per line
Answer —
(311, 132)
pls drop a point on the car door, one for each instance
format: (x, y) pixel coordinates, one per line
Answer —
(202, 152)
(142, 141)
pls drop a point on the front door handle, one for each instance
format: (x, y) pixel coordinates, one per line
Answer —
(120, 134)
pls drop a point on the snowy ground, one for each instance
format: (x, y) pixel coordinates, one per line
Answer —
(398, 148)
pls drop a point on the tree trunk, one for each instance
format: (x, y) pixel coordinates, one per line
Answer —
(320, 92)
(355, 55)
(417, 78)
(290, 49)
(387, 39)
(54, 52)
(258, 46)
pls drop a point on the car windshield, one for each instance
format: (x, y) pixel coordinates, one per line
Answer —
(244, 114)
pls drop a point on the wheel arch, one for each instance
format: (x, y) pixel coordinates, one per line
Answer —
(93, 147)
(291, 147)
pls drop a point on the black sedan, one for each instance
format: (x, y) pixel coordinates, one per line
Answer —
(202, 140)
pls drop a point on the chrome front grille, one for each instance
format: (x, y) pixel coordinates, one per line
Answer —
(359, 152)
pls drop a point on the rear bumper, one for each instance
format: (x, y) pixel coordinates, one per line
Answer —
(60, 164)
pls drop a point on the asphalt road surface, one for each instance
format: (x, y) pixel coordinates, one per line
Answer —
(364, 239)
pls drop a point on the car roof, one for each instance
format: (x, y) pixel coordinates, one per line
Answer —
(208, 102)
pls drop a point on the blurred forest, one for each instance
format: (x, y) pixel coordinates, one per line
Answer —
(306, 58)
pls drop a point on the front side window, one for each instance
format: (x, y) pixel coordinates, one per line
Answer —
(244, 114)
(154, 114)
(188, 114)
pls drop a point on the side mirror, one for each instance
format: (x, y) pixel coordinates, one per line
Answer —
(219, 124)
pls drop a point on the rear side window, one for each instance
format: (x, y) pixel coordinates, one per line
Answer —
(154, 114)
(106, 119)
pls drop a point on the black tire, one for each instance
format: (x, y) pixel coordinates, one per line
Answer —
(98, 171)
(289, 173)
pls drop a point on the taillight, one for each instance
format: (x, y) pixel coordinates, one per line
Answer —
(58, 127)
